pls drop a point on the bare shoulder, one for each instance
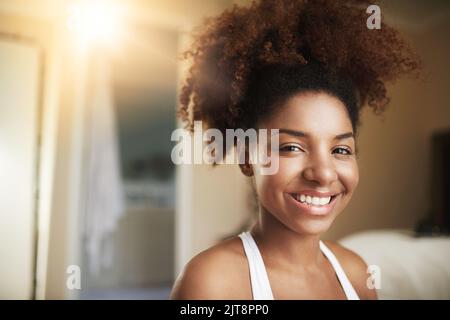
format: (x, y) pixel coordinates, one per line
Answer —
(216, 273)
(355, 269)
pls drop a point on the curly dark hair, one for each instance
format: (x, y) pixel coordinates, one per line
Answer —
(248, 60)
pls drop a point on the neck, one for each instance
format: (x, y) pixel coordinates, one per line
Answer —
(282, 246)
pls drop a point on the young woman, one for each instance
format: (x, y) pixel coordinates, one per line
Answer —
(305, 68)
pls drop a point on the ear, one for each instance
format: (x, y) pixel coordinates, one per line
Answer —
(246, 169)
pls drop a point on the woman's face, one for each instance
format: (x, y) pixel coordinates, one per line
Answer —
(316, 160)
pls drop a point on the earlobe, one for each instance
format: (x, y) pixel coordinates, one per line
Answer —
(246, 169)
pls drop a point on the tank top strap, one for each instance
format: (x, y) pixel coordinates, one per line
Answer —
(345, 282)
(259, 279)
(261, 289)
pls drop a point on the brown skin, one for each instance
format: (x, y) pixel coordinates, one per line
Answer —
(317, 162)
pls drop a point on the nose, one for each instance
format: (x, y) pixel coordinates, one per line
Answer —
(320, 169)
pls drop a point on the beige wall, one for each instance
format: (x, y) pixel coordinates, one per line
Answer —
(20, 65)
(18, 22)
(60, 141)
(222, 202)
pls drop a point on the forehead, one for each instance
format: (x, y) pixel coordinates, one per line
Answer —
(317, 113)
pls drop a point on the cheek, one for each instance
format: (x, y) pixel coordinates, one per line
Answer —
(270, 188)
(267, 187)
(349, 176)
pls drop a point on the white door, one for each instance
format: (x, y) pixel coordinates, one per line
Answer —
(19, 92)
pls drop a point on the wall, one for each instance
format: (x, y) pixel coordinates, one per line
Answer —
(16, 21)
(21, 66)
(59, 136)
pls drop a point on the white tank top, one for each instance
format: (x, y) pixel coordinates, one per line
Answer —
(260, 281)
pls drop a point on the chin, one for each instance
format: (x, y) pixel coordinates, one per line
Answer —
(313, 227)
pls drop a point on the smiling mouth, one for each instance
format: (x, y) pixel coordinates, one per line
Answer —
(313, 201)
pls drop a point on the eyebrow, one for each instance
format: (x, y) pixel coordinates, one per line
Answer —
(306, 135)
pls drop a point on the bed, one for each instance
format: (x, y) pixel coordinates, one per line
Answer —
(410, 267)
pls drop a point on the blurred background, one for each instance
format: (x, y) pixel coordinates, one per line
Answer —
(88, 94)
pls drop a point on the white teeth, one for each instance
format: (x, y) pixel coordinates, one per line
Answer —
(308, 199)
(316, 201)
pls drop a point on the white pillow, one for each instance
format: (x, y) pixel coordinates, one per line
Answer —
(410, 267)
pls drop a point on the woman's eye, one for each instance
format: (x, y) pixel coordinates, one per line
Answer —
(290, 148)
(344, 151)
